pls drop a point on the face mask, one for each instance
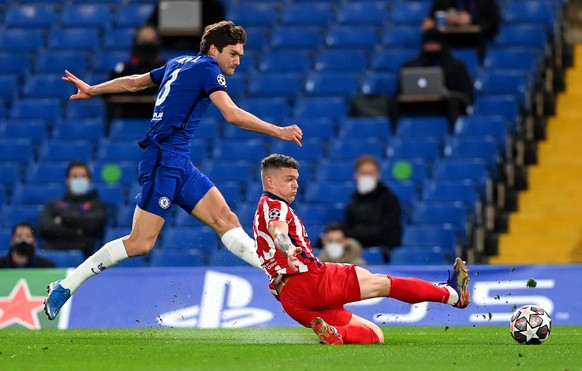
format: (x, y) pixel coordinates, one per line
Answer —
(24, 247)
(334, 250)
(366, 184)
(79, 186)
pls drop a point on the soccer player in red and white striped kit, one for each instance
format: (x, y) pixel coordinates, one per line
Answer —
(313, 292)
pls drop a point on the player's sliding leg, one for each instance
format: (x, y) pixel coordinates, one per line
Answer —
(145, 231)
(413, 290)
(213, 210)
(327, 334)
(357, 331)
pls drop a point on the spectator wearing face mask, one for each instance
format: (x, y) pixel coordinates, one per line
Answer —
(77, 221)
(338, 248)
(145, 57)
(22, 252)
(373, 213)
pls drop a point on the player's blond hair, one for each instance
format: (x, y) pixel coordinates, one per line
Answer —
(222, 34)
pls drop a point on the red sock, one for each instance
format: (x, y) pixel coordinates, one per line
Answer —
(413, 290)
(352, 334)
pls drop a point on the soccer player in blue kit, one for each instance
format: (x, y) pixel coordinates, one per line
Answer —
(187, 86)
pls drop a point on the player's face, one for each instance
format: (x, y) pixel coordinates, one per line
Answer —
(229, 58)
(284, 182)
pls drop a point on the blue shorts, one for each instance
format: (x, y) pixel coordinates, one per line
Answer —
(166, 178)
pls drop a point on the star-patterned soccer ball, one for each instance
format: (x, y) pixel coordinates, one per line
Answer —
(530, 324)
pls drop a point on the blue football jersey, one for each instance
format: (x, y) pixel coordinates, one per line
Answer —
(186, 83)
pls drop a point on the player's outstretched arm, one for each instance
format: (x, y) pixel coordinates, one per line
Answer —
(125, 84)
(279, 231)
(246, 120)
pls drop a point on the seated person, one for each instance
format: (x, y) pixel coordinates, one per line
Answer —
(145, 56)
(459, 13)
(435, 52)
(338, 248)
(22, 252)
(77, 221)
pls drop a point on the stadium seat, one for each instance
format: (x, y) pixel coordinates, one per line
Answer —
(312, 149)
(329, 193)
(336, 61)
(352, 37)
(486, 126)
(132, 15)
(37, 194)
(373, 256)
(173, 258)
(366, 127)
(380, 83)
(63, 258)
(183, 238)
(43, 172)
(368, 14)
(229, 170)
(503, 105)
(35, 130)
(79, 129)
(414, 255)
(532, 12)
(10, 87)
(465, 169)
(452, 213)
(485, 149)
(125, 215)
(126, 129)
(436, 127)
(257, 38)
(118, 151)
(16, 150)
(402, 36)
(523, 35)
(22, 40)
(30, 16)
(296, 37)
(452, 191)
(15, 64)
(232, 132)
(402, 170)
(391, 60)
(86, 15)
(276, 108)
(331, 84)
(10, 174)
(76, 39)
(118, 173)
(407, 193)
(233, 150)
(208, 130)
(112, 195)
(317, 214)
(56, 62)
(318, 128)
(256, 14)
(47, 86)
(199, 150)
(331, 107)
(410, 12)
(224, 258)
(119, 38)
(307, 14)
(66, 150)
(134, 262)
(470, 58)
(106, 60)
(85, 109)
(352, 148)
(20, 213)
(430, 235)
(237, 84)
(287, 85)
(286, 61)
(427, 149)
(335, 171)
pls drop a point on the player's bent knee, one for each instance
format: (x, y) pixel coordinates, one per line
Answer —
(138, 247)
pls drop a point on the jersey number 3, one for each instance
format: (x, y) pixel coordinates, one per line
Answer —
(165, 90)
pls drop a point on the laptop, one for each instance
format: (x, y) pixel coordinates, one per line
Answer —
(422, 81)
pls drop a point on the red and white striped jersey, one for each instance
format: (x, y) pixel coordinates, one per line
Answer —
(273, 261)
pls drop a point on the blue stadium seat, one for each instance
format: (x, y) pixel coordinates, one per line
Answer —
(354, 61)
(435, 127)
(112, 195)
(183, 219)
(330, 107)
(119, 38)
(485, 149)
(233, 150)
(106, 60)
(63, 258)
(368, 14)
(430, 235)
(35, 130)
(118, 173)
(366, 127)
(31, 16)
(297, 37)
(182, 238)
(172, 258)
(522, 59)
(442, 213)
(22, 40)
(79, 129)
(199, 150)
(80, 39)
(352, 148)
(85, 109)
(414, 255)
(3, 195)
(86, 15)
(208, 130)
(373, 256)
(125, 216)
(20, 213)
(312, 149)
(287, 85)
(236, 171)
(47, 86)
(19, 151)
(330, 84)
(257, 38)
(256, 14)
(318, 128)
(503, 105)
(286, 61)
(329, 193)
(307, 14)
(37, 194)
(275, 108)
(237, 84)
(382, 83)
(66, 150)
(233, 132)
(391, 60)
(523, 35)
(134, 262)
(10, 87)
(317, 215)
(414, 148)
(224, 258)
(401, 170)
(407, 193)
(335, 171)
(470, 58)
(531, 12)
(402, 36)
(118, 151)
(127, 129)
(133, 15)
(58, 61)
(352, 37)
(452, 191)
(511, 82)
(44, 172)
(10, 174)
(410, 12)
(465, 169)
(14, 63)
(486, 126)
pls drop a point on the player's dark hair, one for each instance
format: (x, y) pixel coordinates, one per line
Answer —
(278, 161)
(23, 224)
(222, 34)
(78, 164)
(365, 159)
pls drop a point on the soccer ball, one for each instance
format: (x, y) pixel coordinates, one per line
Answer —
(530, 324)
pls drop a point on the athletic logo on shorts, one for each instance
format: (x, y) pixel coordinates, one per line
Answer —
(221, 80)
(274, 214)
(164, 202)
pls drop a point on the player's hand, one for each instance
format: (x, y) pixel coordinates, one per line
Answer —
(292, 257)
(292, 132)
(83, 89)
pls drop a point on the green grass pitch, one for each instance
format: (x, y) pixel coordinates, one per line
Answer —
(406, 348)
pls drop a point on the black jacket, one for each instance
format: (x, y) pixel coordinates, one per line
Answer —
(484, 13)
(35, 262)
(374, 218)
(83, 222)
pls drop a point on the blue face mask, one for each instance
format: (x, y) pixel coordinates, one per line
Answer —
(79, 186)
